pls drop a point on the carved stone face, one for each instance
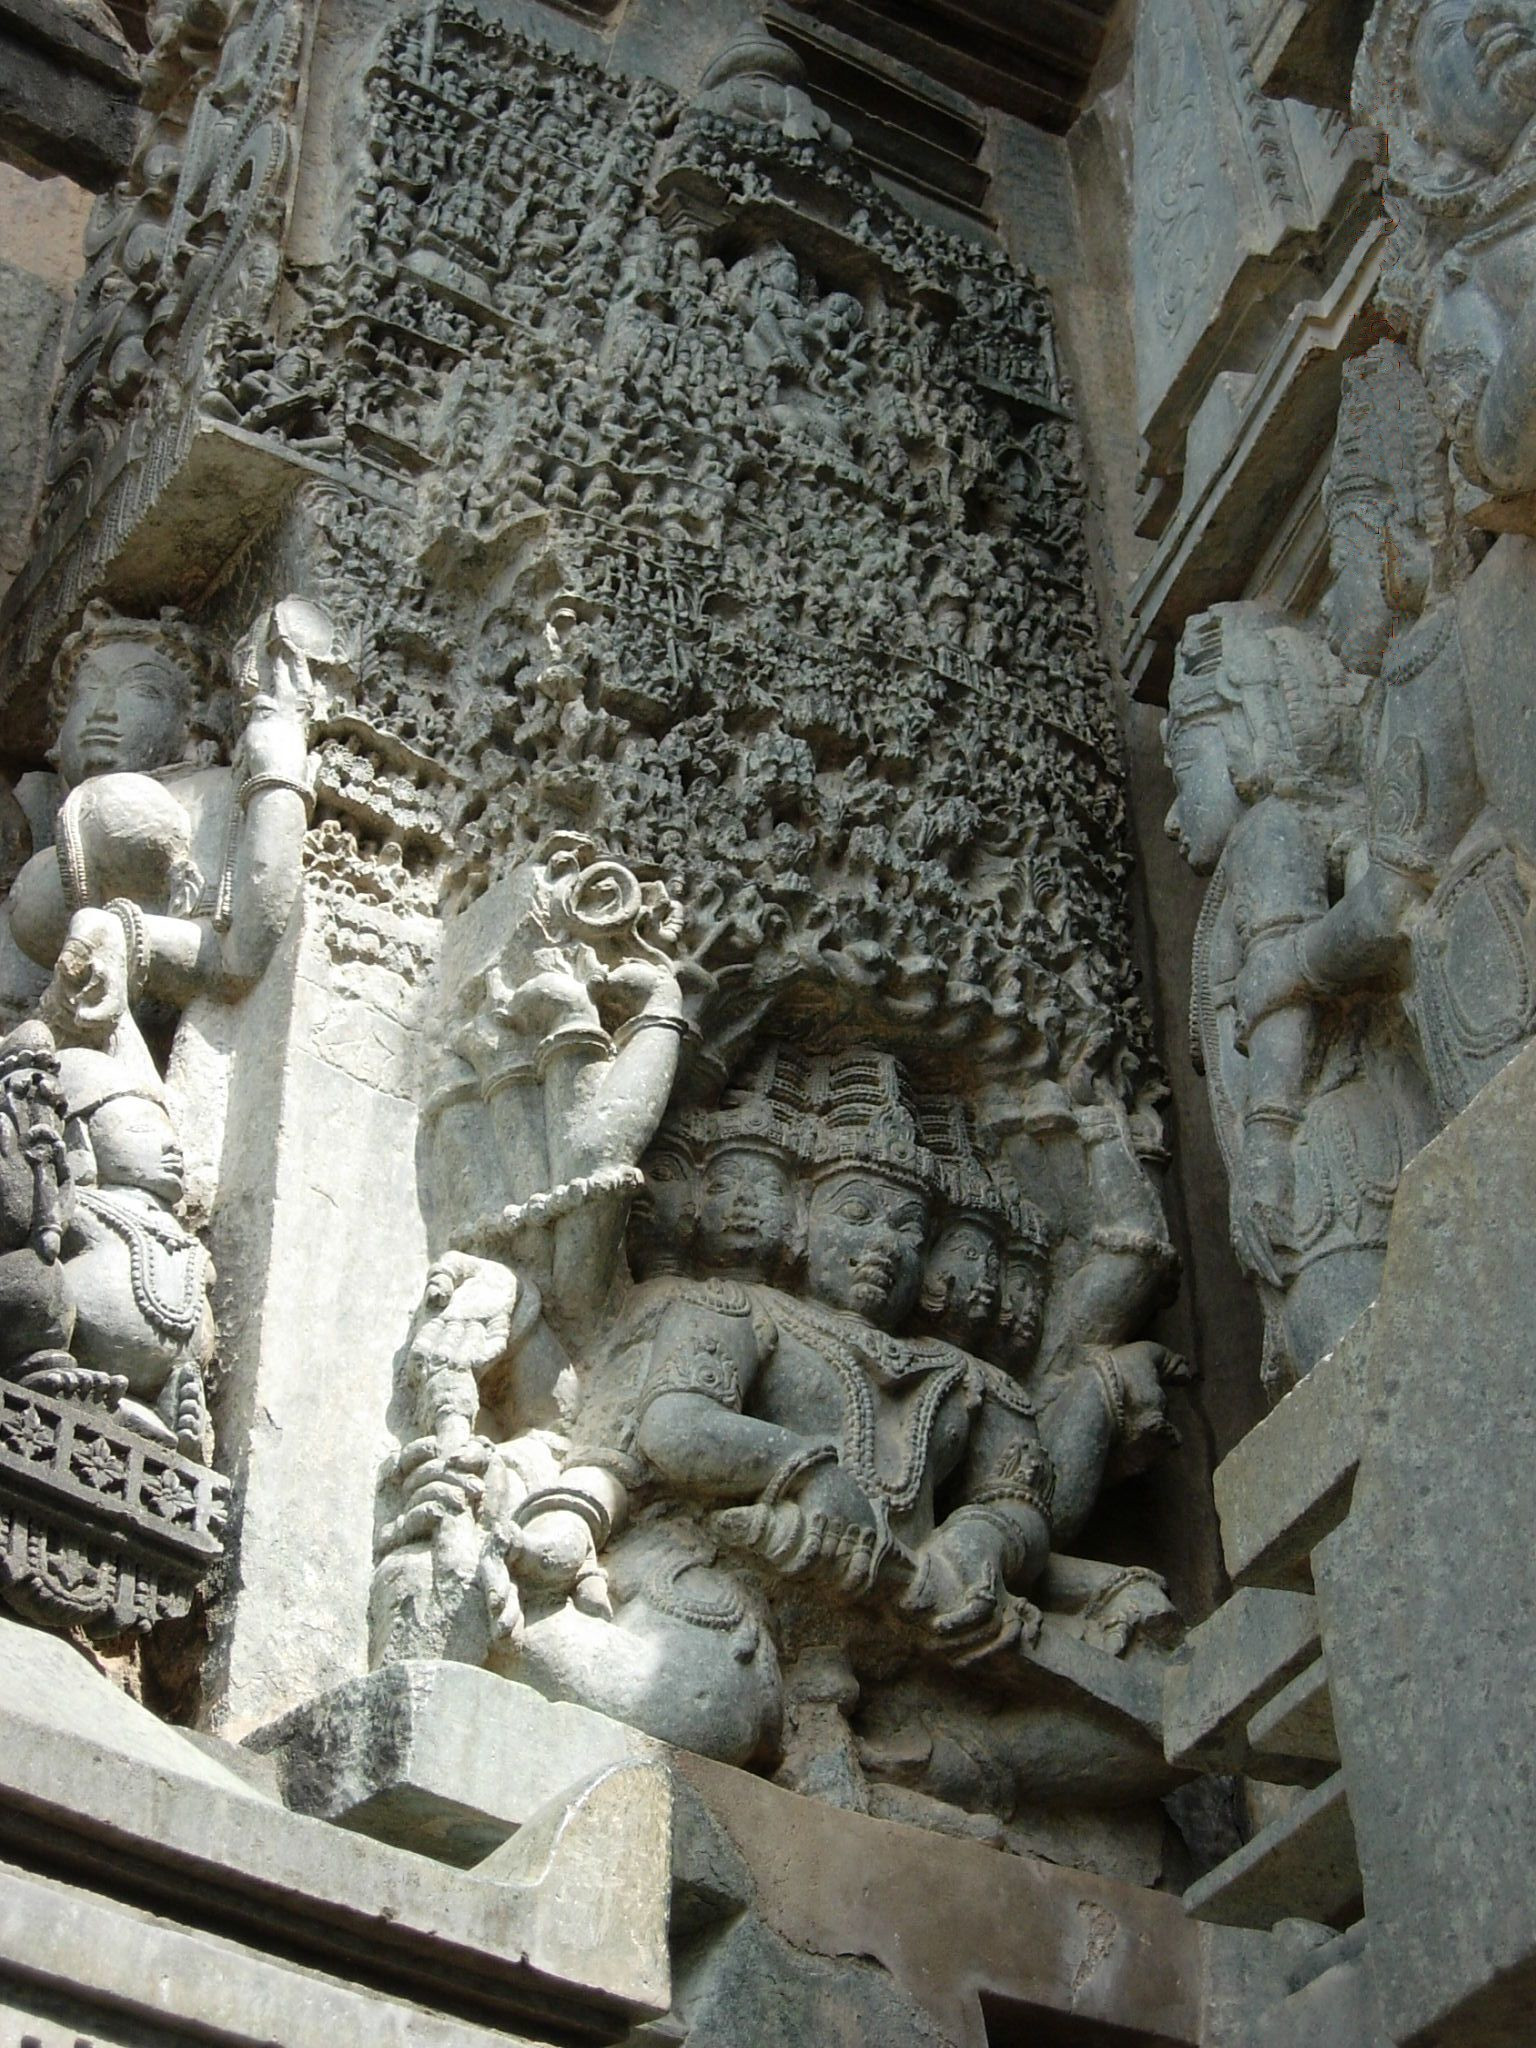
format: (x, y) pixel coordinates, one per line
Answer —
(665, 1217)
(868, 1236)
(965, 1267)
(1474, 62)
(1207, 805)
(135, 1145)
(1023, 1304)
(127, 710)
(746, 1209)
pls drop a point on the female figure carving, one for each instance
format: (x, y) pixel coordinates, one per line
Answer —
(1320, 1111)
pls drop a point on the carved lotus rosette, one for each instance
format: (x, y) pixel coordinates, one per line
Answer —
(99, 1529)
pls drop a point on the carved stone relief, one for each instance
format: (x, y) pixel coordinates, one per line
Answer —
(764, 523)
(1367, 955)
(188, 240)
(724, 763)
(1453, 87)
(125, 910)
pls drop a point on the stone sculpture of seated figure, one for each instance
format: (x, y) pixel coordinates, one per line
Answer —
(833, 1439)
(771, 1478)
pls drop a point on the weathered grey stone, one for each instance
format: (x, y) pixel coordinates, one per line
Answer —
(1254, 520)
(570, 1918)
(68, 91)
(752, 1986)
(1297, 1724)
(1426, 1592)
(47, 1684)
(1338, 2009)
(1493, 622)
(1252, 256)
(1303, 1865)
(1234, 1664)
(75, 1964)
(1288, 1483)
(439, 1757)
(841, 1884)
(1305, 49)
(329, 1892)
(34, 314)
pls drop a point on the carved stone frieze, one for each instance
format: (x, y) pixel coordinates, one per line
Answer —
(187, 240)
(711, 784)
(99, 1530)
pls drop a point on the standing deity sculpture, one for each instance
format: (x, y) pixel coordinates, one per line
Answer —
(1452, 85)
(137, 1278)
(1322, 1107)
(1441, 909)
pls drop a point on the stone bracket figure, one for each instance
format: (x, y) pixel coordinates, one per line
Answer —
(1441, 914)
(1452, 84)
(124, 834)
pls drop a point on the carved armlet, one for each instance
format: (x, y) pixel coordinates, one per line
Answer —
(702, 1372)
(1022, 1477)
(253, 786)
(795, 1468)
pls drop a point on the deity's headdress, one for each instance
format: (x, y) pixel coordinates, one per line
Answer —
(1385, 93)
(1289, 710)
(170, 637)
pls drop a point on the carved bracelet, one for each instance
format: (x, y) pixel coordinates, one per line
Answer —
(253, 786)
(552, 1500)
(1112, 1387)
(794, 1468)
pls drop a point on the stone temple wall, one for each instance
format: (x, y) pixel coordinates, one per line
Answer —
(698, 1344)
